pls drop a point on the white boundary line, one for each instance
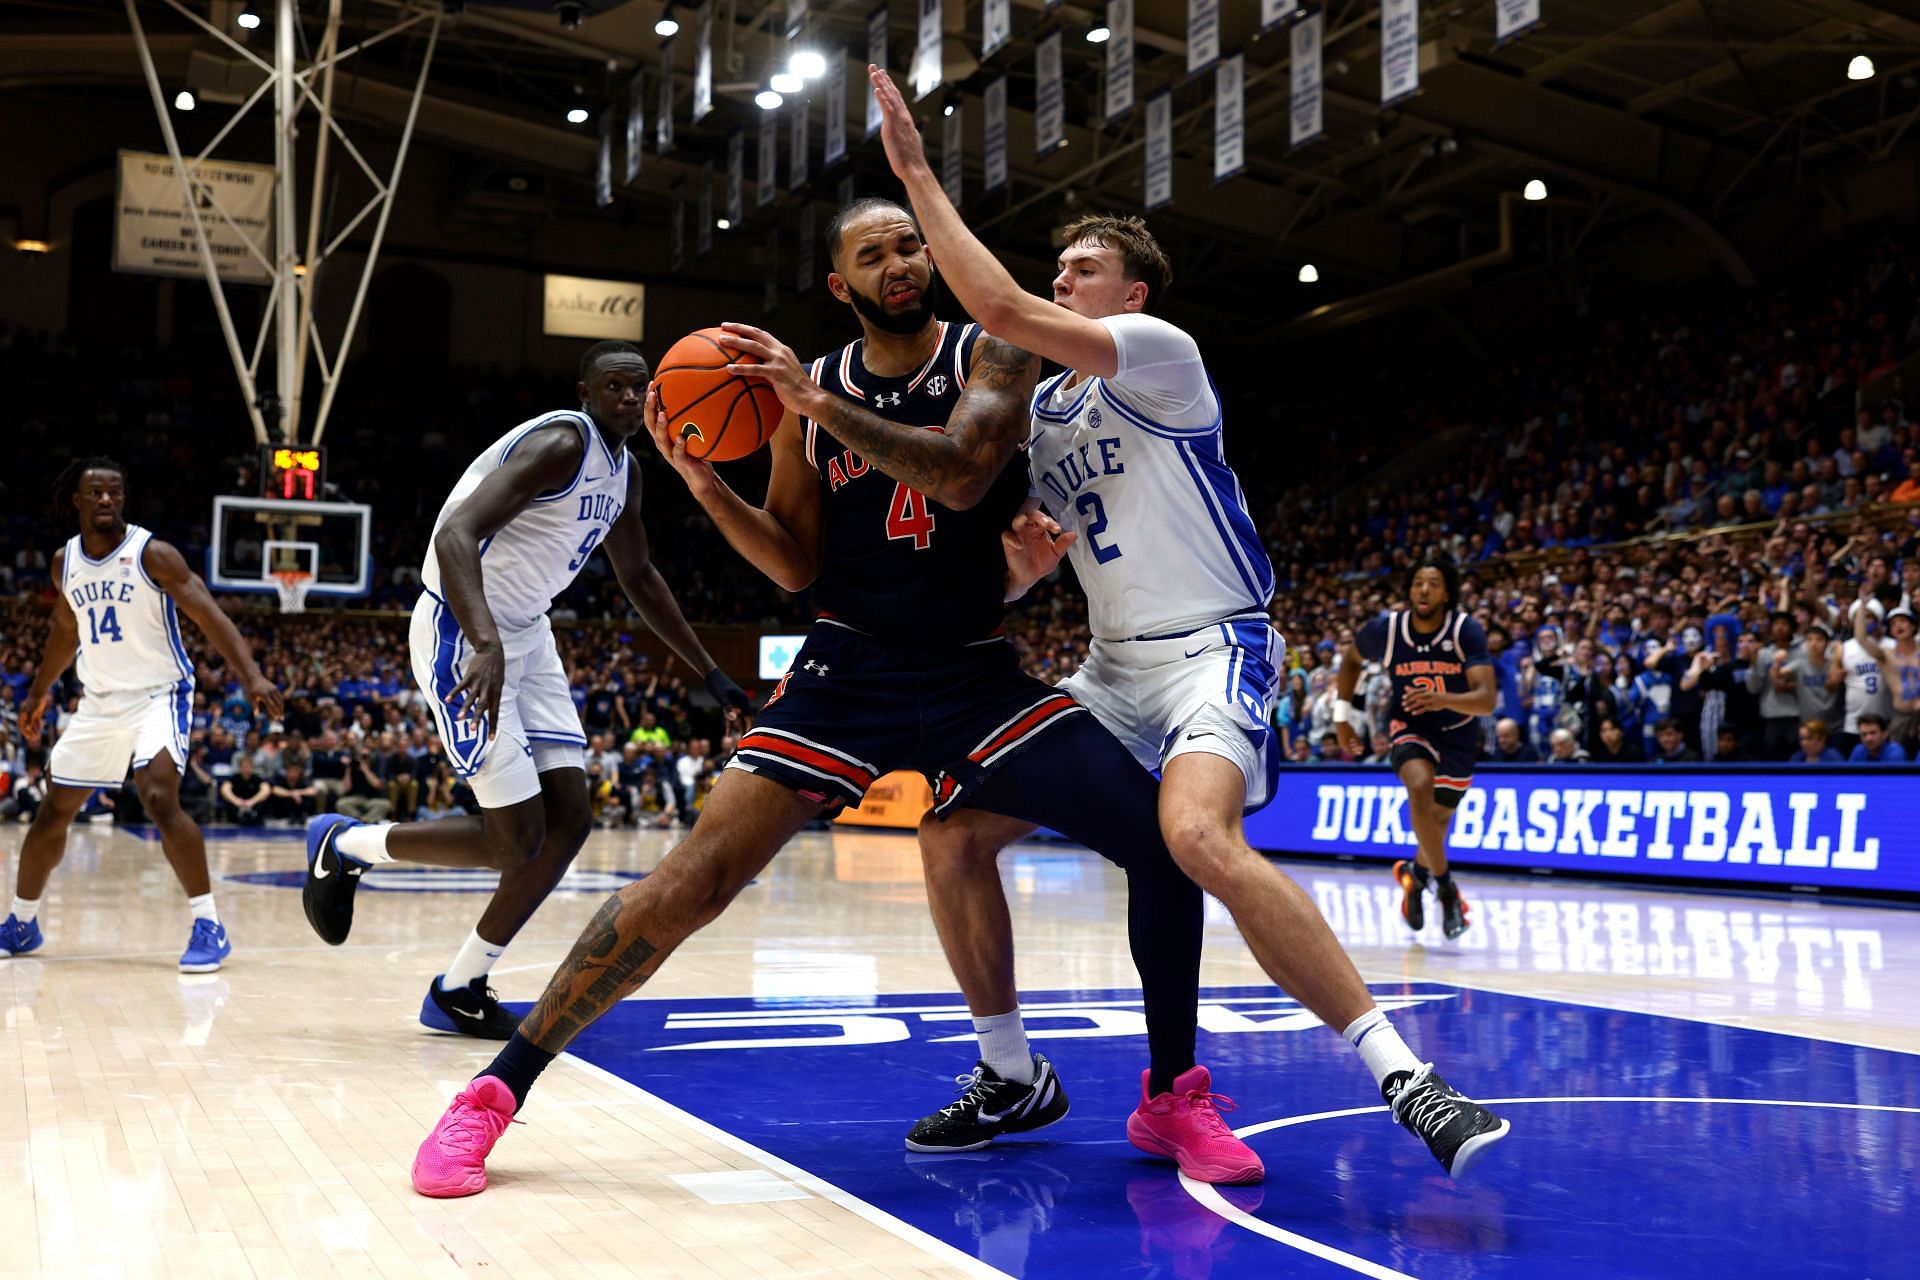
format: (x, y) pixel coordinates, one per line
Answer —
(913, 1235)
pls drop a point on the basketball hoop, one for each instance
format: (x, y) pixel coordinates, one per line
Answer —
(292, 584)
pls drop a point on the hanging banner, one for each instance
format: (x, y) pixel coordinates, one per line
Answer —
(953, 157)
(663, 111)
(770, 298)
(996, 27)
(765, 183)
(844, 195)
(1513, 19)
(677, 238)
(797, 143)
(836, 110)
(736, 177)
(1399, 50)
(703, 212)
(1308, 121)
(877, 56)
(577, 307)
(1119, 60)
(636, 124)
(703, 63)
(1275, 12)
(996, 140)
(803, 274)
(1159, 178)
(153, 232)
(1203, 35)
(796, 17)
(1229, 118)
(1049, 124)
(927, 72)
(603, 169)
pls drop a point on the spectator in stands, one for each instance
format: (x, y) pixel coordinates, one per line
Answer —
(1814, 748)
(27, 795)
(403, 788)
(1856, 667)
(650, 734)
(246, 793)
(1673, 744)
(295, 796)
(1564, 748)
(366, 795)
(1875, 747)
(1509, 747)
(1908, 490)
(1615, 745)
(332, 770)
(1768, 677)
(687, 770)
(437, 801)
(604, 796)
(198, 786)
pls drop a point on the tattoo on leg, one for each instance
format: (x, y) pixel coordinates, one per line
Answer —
(614, 963)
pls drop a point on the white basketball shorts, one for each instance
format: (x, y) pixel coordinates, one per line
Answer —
(111, 730)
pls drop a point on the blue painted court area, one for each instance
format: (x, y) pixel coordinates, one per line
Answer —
(1642, 1146)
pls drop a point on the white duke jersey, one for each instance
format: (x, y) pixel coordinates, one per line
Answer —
(542, 549)
(129, 630)
(1135, 464)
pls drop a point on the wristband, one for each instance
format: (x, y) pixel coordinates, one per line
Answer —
(1342, 711)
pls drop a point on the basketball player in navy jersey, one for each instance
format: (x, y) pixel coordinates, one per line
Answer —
(121, 593)
(1443, 681)
(520, 524)
(890, 490)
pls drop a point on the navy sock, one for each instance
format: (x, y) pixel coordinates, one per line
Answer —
(518, 1065)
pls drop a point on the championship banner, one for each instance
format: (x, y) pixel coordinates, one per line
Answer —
(703, 63)
(663, 111)
(895, 800)
(1513, 19)
(677, 239)
(765, 182)
(996, 138)
(736, 178)
(1049, 123)
(996, 27)
(636, 124)
(803, 257)
(153, 232)
(1119, 101)
(703, 215)
(1308, 123)
(927, 70)
(797, 144)
(953, 156)
(1399, 50)
(770, 298)
(877, 56)
(578, 307)
(836, 110)
(1229, 118)
(1203, 35)
(1275, 12)
(603, 165)
(1159, 177)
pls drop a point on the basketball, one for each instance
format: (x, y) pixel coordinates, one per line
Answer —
(721, 416)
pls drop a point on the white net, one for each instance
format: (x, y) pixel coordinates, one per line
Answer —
(292, 585)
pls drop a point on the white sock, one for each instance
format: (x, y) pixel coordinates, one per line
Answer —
(25, 909)
(367, 843)
(474, 961)
(1003, 1046)
(1380, 1046)
(203, 907)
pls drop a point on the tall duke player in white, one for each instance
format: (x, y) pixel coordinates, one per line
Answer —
(523, 520)
(121, 593)
(1126, 453)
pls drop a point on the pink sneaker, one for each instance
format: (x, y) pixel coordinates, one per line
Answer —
(453, 1159)
(1185, 1126)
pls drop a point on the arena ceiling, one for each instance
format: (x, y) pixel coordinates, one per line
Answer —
(1636, 113)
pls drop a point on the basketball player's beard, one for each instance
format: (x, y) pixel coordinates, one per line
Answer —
(912, 320)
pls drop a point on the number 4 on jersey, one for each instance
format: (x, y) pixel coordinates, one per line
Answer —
(908, 517)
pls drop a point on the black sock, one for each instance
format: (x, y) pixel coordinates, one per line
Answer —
(1444, 880)
(518, 1065)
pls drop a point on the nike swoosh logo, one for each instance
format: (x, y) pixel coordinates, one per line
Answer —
(320, 871)
(591, 479)
(477, 1017)
(1194, 653)
(1203, 733)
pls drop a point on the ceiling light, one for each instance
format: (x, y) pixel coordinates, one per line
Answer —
(723, 224)
(668, 24)
(1861, 68)
(576, 115)
(1099, 35)
(808, 64)
(1309, 273)
(32, 246)
(248, 19)
(1536, 190)
(183, 100)
(767, 100)
(785, 82)
(948, 111)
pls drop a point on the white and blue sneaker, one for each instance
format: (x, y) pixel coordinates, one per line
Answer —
(472, 1010)
(206, 948)
(17, 937)
(332, 877)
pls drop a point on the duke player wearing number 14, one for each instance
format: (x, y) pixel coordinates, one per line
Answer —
(121, 593)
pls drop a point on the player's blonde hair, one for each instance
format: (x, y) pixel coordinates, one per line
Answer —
(1141, 256)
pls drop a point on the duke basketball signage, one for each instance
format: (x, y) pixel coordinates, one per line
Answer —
(577, 307)
(1833, 829)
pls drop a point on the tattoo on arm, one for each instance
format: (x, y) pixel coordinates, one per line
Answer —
(609, 961)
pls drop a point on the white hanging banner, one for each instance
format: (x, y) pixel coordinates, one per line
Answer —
(996, 139)
(1049, 123)
(797, 143)
(771, 297)
(1399, 50)
(703, 216)
(796, 17)
(677, 239)
(1203, 35)
(603, 169)
(927, 72)
(836, 110)
(996, 27)
(766, 183)
(663, 113)
(636, 124)
(1513, 19)
(953, 156)
(736, 177)
(1159, 180)
(1119, 60)
(877, 56)
(803, 272)
(1309, 121)
(1229, 118)
(1275, 12)
(703, 62)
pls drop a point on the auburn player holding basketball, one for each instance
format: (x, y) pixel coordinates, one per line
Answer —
(889, 493)
(121, 593)
(1126, 450)
(1443, 681)
(522, 521)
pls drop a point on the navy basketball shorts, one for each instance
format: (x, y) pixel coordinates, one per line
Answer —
(1452, 753)
(853, 707)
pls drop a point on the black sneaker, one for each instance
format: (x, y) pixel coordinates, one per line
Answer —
(472, 1010)
(1413, 884)
(988, 1107)
(1456, 1129)
(1453, 909)
(332, 877)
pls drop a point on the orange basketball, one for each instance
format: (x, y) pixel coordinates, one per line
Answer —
(721, 416)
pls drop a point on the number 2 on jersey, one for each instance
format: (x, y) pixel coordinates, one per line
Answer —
(1090, 501)
(908, 517)
(103, 624)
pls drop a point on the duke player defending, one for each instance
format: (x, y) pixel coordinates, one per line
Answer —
(1443, 681)
(121, 593)
(523, 520)
(1126, 450)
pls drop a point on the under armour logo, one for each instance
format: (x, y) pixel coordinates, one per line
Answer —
(937, 385)
(1093, 418)
(818, 668)
(887, 399)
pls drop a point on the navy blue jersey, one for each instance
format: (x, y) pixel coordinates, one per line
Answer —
(1424, 660)
(896, 563)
